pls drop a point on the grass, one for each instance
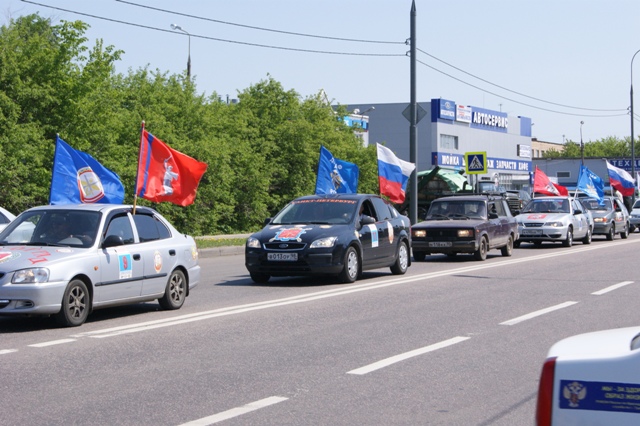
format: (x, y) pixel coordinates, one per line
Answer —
(219, 242)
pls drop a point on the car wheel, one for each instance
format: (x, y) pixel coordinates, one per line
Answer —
(259, 277)
(587, 238)
(402, 260)
(481, 253)
(508, 249)
(175, 292)
(537, 243)
(351, 266)
(75, 305)
(452, 254)
(625, 232)
(568, 242)
(419, 256)
(516, 243)
(611, 233)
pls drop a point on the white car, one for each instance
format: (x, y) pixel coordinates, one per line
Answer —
(634, 217)
(553, 219)
(592, 379)
(5, 218)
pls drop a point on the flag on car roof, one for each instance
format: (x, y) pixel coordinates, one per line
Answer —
(543, 185)
(591, 184)
(621, 180)
(335, 176)
(393, 174)
(78, 178)
(165, 174)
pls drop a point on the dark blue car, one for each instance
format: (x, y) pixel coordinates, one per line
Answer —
(337, 235)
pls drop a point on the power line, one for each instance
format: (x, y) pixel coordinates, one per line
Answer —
(518, 102)
(258, 28)
(219, 39)
(518, 93)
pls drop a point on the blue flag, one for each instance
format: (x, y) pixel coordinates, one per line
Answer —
(591, 184)
(336, 176)
(78, 178)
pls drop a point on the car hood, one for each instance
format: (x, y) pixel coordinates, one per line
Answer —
(454, 223)
(19, 257)
(542, 217)
(601, 213)
(596, 344)
(300, 232)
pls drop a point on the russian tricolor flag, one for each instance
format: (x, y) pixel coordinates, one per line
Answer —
(393, 174)
(621, 180)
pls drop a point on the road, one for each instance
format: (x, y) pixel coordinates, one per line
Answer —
(452, 342)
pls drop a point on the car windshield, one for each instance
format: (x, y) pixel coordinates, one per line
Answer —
(592, 204)
(317, 211)
(457, 209)
(547, 206)
(75, 228)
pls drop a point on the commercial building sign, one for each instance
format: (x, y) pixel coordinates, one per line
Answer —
(489, 120)
(524, 151)
(457, 161)
(443, 109)
(463, 113)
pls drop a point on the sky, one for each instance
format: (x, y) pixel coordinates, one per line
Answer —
(566, 64)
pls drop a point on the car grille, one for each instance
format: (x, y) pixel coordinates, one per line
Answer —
(532, 224)
(284, 246)
(443, 234)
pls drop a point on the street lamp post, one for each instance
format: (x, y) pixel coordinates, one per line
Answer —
(581, 145)
(179, 28)
(633, 153)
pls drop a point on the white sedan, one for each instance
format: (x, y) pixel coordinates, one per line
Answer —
(592, 379)
(5, 218)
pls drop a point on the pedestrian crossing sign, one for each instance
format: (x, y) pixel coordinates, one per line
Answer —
(476, 162)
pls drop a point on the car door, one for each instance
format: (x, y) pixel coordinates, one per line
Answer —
(369, 235)
(581, 226)
(502, 229)
(120, 266)
(619, 216)
(386, 232)
(158, 255)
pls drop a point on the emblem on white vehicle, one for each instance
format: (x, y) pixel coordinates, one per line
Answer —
(574, 392)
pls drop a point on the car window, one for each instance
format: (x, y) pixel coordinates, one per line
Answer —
(317, 211)
(120, 226)
(500, 209)
(382, 209)
(150, 228)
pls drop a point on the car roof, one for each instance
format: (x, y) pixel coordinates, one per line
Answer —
(357, 197)
(476, 197)
(105, 208)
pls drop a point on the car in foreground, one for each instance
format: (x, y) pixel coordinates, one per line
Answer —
(553, 219)
(5, 218)
(68, 260)
(634, 217)
(337, 235)
(465, 224)
(610, 217)
(591, 379)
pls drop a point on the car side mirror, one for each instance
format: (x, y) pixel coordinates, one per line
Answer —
(577, 211)
(366, 220)
(267, 221)
(112, 241)
(493, 215)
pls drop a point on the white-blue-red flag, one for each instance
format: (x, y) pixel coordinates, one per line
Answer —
(393, 174)
(621, 180)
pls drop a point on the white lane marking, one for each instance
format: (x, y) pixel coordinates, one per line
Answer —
(611, 288)
(52, 342)
(401, 357)
(235, 412)
(537, 313)
(150, 325)
(7, 351)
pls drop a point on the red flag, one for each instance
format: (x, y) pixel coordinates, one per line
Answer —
(165, 174)
(542, 185)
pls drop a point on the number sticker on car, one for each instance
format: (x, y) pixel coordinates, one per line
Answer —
(282, 257)
(440, 244)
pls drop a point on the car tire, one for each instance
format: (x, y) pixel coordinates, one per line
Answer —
(452, 255)
(175, 292)
(75, 305)
(587, 238)
(625, 232)
(516, 244)
(481, 253)
(507, 250)
(402, 260)
(611, 233)
(537, 243)
(419, 256)
(259, 277)
(351, 267)
(568, 242)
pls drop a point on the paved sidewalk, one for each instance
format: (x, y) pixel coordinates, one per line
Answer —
(224, 250)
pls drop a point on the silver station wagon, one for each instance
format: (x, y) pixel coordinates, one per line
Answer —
(67, 260)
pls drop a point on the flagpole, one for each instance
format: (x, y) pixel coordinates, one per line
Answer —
(135, 194)
(53, 165)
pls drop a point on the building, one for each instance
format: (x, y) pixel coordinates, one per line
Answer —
(447, 131)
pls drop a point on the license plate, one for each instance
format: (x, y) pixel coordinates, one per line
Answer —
(532, 232)
(440, 244)
(283, 257)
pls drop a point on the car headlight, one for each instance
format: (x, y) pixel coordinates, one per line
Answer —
(465, 233)
(599, 219)
(419, 233)
(253, 242)
(324, 242)
(30, 276)
(554, 224)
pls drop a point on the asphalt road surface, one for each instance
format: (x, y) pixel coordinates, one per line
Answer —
(452, 342)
